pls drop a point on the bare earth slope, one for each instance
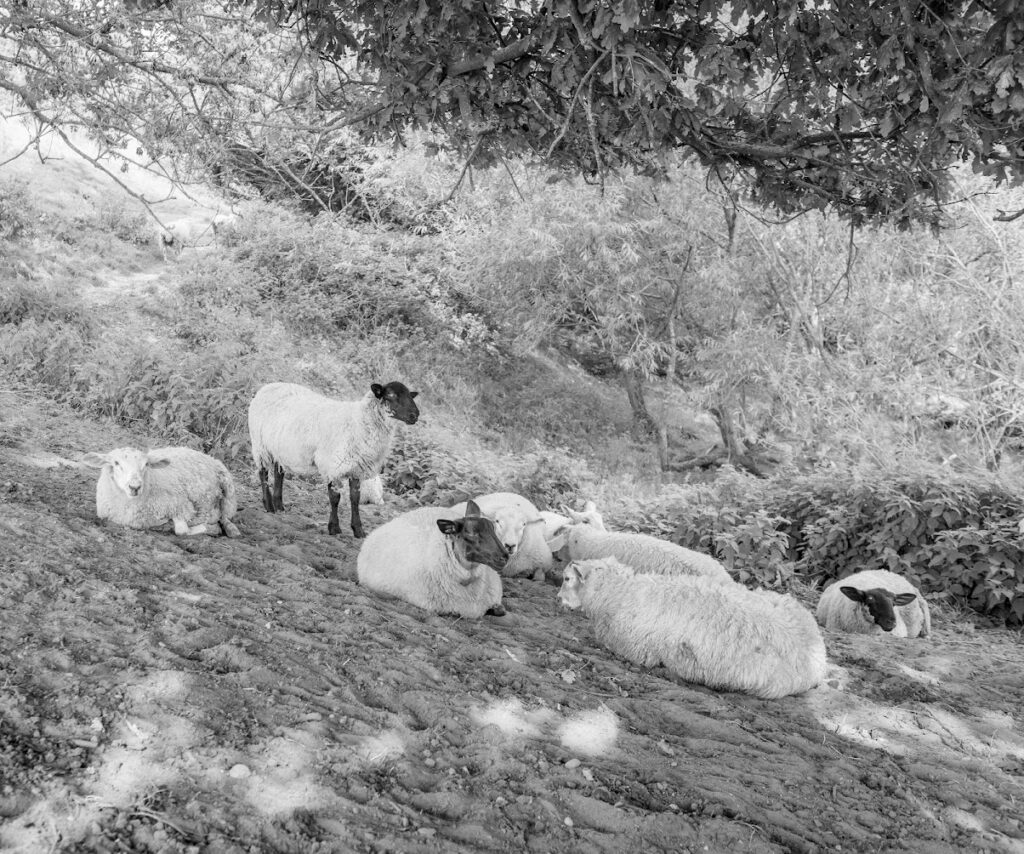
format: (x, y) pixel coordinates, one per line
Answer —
(164, 694)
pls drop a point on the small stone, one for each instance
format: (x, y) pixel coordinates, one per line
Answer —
(573, 763)
(430, 763)
(426, 831)
(239, 771)
(569, 822)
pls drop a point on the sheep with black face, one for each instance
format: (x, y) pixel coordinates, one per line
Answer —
(437, 560)
(875, 601)
(293, 428)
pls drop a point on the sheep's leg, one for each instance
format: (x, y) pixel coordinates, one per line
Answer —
(334, 497)
(353, 499)
(182, 529)
(229, 528)
(278, 495)
(268, 499)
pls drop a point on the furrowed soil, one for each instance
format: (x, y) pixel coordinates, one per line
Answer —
(204, 694)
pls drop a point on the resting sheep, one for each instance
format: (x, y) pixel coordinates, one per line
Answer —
(519, 526)
(555, 522)
(646, 554)
(437, 560)
(873, 602)
(719, 635)
(147, 489)
(293, 428)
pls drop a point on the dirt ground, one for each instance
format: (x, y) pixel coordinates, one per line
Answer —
(173, 694)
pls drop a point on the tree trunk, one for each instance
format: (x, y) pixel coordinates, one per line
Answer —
(643, 423)
(735, 452)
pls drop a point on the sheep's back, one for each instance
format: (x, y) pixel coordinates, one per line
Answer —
(645, 554)
(723, 636)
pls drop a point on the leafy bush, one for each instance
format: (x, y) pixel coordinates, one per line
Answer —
(43, 352)
(16, 210)
(21, 300)
(956, 538)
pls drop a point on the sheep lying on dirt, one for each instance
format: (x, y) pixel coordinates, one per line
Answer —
(437, 560)
(143, 489)
(293, 428)
(554, 523)
(518, 524)
(873, 602)
(646, 554)
(719, 635)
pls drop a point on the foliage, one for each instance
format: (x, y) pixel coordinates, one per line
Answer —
(23, 300)
(15, 210)
(956, 537)
(858, 106)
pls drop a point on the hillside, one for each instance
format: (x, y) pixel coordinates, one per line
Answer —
(214, 695)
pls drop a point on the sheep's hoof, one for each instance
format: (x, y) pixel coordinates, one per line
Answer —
(358, 533)
(278, 506)
(333, 528)
(496, 611)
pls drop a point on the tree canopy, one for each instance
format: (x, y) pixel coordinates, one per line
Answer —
(860, 106)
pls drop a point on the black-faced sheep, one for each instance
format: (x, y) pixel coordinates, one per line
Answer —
(719, 635)
(293, 428)
(148, 489)
(875, 601)
(437, 560)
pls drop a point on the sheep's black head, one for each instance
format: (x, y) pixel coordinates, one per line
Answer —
(475, 538)
(880, 604)
(398, 401)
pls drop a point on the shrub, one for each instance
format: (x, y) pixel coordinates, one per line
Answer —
(16, 210)
(21, 300)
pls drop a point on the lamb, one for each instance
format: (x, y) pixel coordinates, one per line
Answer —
(293, 428)
(719, 635)
(875, 601)
(147, 489)
(646, 554)
(437, 560)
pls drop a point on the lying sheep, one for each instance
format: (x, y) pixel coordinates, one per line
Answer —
(437, 560)
(147, 489)
(371, 491)
(554, 523)
(719, 635)
(873, 602)
(293, 428)
(646, 554)
(519, 526)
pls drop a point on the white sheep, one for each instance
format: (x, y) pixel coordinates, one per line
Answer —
(293, 428)
(719, 635)
(147, 489)
(646, 554)
(554, 523)
(371, 491)
(875, 601)
(437, 560)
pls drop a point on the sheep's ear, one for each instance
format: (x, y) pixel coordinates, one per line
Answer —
(472, 509)
(378, 390)
(94, 460)
(590, 507)
(558, 541)
(852, 593)
(449, 527)
(413, 393)
(904, 598)
(157, 462)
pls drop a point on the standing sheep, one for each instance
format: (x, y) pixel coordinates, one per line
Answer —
(719, 635)
(873, 602)
(437, 560)
(293, 428)
(646, 554)
(147, 489)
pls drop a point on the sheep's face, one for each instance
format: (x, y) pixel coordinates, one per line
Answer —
(509, 529)
(573, 579)
(127, 467)
(877, 605)
(398, 401)
(475, 539)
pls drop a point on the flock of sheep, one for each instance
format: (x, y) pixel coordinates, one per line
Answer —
(649, 600)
